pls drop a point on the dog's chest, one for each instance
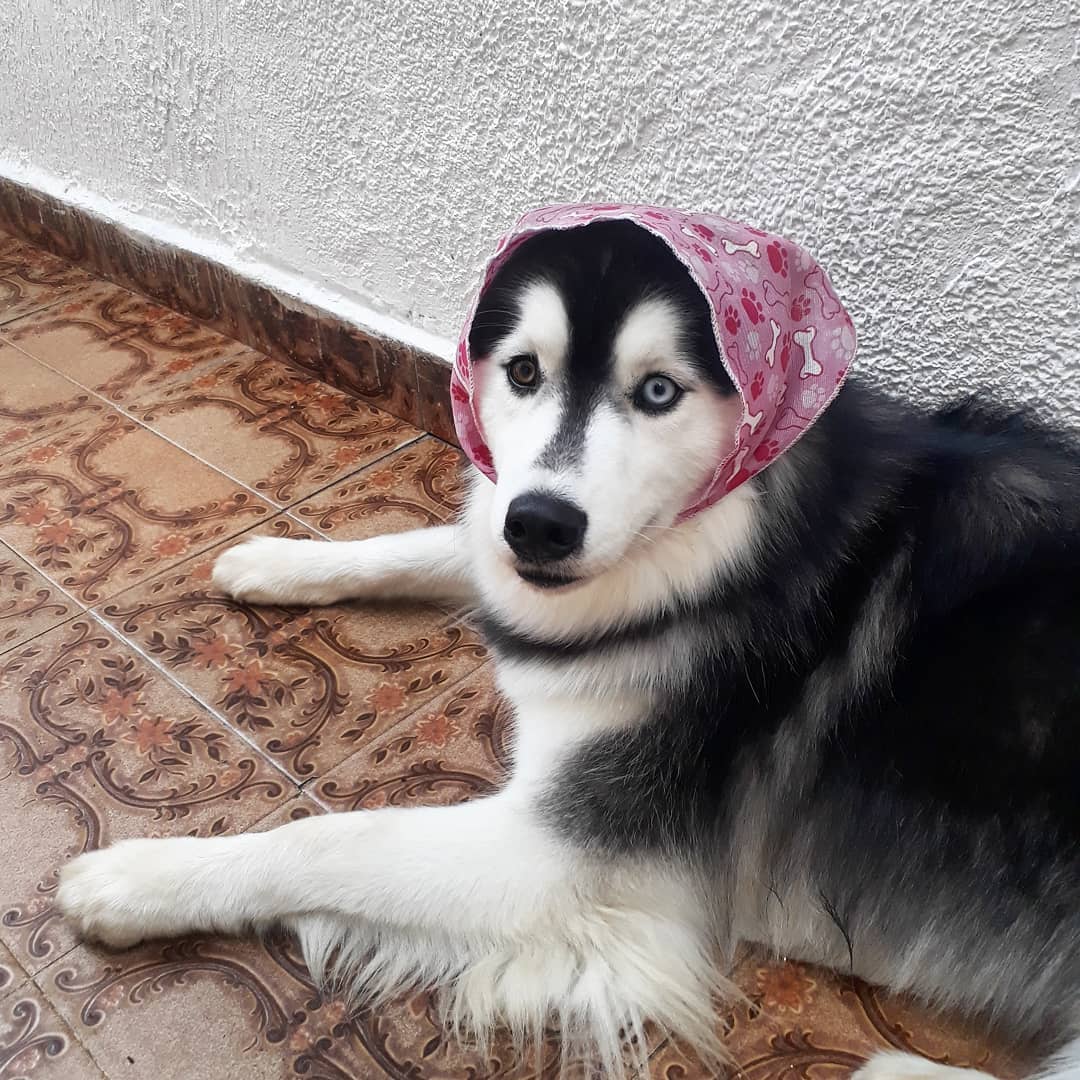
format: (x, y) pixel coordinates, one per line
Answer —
(552, 715)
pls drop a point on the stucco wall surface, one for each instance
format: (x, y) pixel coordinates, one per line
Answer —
(927, 152)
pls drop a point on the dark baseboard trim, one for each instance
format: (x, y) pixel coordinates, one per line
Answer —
(407, 382)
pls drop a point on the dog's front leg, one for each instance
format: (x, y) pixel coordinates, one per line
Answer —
(481, 868)
(425, 564)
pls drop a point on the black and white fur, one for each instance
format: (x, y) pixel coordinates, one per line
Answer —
(836, 714)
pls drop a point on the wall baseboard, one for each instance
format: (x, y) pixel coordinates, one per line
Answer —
(399, 378)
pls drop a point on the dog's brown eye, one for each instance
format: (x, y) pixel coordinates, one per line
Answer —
(657, 393)
(523, 372)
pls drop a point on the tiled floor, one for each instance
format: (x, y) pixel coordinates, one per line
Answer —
(134, 700)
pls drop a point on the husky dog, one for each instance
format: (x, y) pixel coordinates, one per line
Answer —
(836, 714)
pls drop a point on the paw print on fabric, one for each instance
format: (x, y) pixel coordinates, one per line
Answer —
(704, 232)
(778, 258)
(757, 384)
(482, 456)
(767, 450)
(800, 307)
(458, 393)
(703, 253)
(731, 319)
(785, 352)
(842, 342)
(812, 395)
(752, 306)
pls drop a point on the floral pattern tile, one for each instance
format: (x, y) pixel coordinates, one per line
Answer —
(29, 603)
(280, 432)
(31, 278)
(91, 509)
(309, 686)
(36, 401)
(419, 486)
(803, 1021)
(116, 342)
(97, 745)
(35, 1042)
(456, 748)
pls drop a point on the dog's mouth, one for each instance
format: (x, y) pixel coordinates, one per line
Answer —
(546, 579)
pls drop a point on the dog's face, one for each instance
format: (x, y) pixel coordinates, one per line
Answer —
(602, 398)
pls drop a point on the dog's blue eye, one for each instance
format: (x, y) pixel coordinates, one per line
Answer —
(523, 372)
(656, 393)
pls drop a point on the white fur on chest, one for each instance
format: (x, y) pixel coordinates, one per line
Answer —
(553, 713)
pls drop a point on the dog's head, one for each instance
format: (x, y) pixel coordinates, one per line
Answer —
(602, 397)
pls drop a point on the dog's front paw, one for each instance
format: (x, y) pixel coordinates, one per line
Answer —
(123, 894)
(269, 570)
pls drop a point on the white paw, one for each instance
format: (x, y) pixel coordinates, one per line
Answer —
(268, 570)
(893, 1065)
(123, 894)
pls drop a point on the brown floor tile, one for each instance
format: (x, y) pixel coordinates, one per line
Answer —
(283, 434)
(96, 745)
(215, 1010)
(35, 1042)
(29, 603)
(36, 401)
(309, 686)
(31, 278)
(457, 747)
(98, 507)
(116, 342)
(418, 486)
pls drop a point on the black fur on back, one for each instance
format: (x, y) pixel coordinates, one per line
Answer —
(884, 707)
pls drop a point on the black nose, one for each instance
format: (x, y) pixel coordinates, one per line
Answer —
(541, 528)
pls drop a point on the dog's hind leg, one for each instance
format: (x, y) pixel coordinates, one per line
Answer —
(425, 564)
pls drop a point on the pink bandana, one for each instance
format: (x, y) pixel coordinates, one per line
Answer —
(785, 339)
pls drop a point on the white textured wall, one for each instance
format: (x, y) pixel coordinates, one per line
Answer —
(927, 150)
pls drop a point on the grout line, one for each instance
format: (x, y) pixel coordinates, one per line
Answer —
(73, 1028)
(188, 692)
(6, 319)
(349, 476)
(82, 608)
(298, 795)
